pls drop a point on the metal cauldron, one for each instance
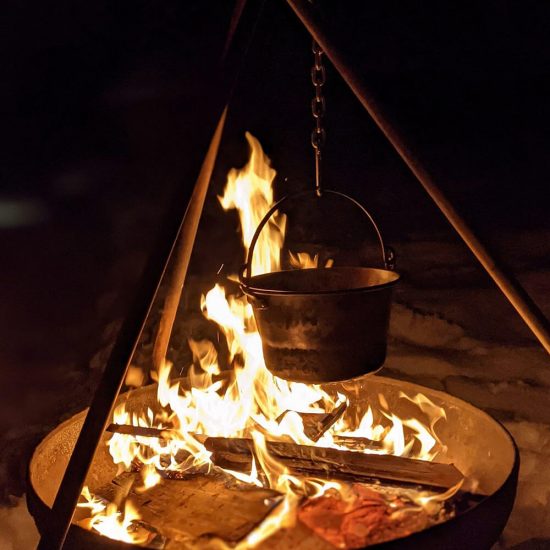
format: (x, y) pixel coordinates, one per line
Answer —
(323, 324)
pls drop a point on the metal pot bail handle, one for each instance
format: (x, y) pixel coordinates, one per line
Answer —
(388, 256)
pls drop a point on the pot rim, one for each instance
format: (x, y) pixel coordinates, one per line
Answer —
(254, 291)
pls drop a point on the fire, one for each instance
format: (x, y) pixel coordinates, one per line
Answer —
(248, 400)
(108, 521)
(250, 191)
(304, 260)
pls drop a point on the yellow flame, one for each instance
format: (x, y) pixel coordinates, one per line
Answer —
(304, 260)
(110, 522)
(284, 516)
(250, 192)
(149, 476)
(433, 502)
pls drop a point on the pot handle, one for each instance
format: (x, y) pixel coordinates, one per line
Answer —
(388, 256)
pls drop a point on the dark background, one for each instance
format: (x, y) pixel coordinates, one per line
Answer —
(101, 109)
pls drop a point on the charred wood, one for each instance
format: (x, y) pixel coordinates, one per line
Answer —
(140, 431)
(335, 463)
(237, 453)
(317, 424)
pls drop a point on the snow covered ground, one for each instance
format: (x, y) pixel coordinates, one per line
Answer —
(17, 529)
(452, 330)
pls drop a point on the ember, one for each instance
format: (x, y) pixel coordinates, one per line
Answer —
(365, 517)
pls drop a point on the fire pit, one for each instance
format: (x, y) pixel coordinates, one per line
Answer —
(479, 447)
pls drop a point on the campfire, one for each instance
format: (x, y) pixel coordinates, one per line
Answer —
(231, 456)
(238, 458)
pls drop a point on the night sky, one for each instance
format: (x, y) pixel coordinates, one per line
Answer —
(104, 110)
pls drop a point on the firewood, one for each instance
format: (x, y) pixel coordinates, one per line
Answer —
(317, 424)
(319, 461)
(335, 463)
(357, 443)
(188, 510)
(351, 442)
(140, 431)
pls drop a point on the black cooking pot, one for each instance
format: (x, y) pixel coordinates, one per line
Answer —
(322, 324)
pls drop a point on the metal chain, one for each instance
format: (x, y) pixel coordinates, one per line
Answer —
(318, 77)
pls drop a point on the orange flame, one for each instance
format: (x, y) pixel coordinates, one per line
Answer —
(250, 191)
(110, 522)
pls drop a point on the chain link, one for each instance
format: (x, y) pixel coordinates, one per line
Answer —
(318, 77)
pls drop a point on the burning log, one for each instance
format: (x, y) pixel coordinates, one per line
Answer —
(140, 431)
(335, 463)
(236, 453)
(189, 509)
(317, 424)
(350, 442)
(357, 443)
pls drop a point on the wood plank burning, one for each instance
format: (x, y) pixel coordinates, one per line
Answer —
(317, 424)
(335, 463)
(141, 431)
(198, 508)
(236, 453)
